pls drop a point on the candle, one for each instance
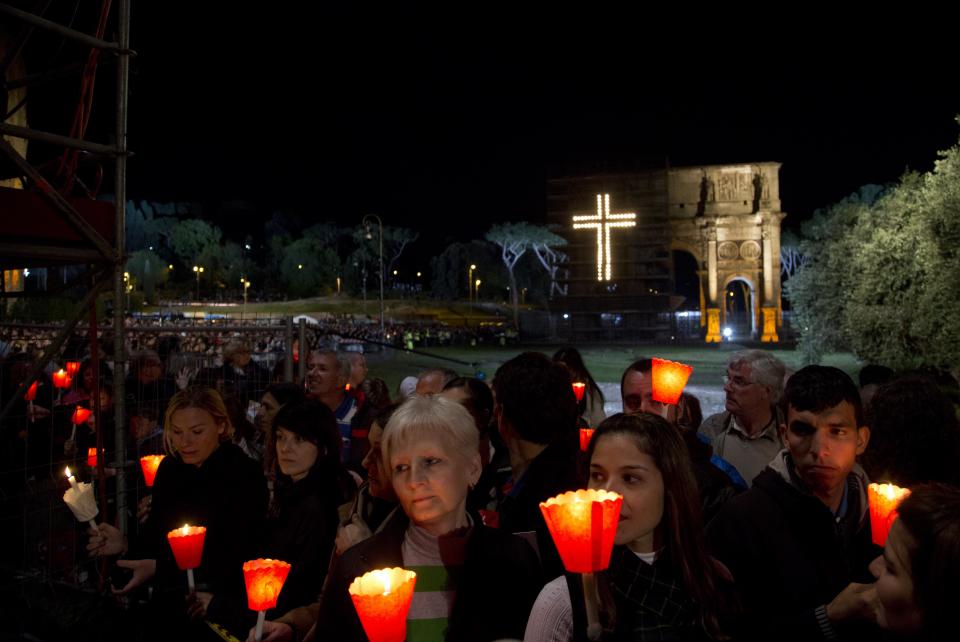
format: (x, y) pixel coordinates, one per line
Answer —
(883, 500)
(73, 367)
(583, 525)
(61, 379)
(31, 392)
(586, 434)
(80, 415)
(92, 457)
(264, 579)
(149, 464)
(382, 599)
(81, 500)
(73, 482)
(669, 379)
(187, 545)
(578, 389)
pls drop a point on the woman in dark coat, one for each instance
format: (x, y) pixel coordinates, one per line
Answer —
(474, 582)
(203, 481)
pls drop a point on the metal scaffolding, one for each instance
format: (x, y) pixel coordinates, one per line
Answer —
(100, 248)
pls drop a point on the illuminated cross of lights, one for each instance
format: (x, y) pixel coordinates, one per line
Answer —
(603, 221)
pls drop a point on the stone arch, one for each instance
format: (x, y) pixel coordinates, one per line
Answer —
(753, 304)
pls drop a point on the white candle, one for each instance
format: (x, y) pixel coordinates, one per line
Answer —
(73, 482)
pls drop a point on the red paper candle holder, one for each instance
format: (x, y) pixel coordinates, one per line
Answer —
(884, 500)
(92, 457)
(73, 367)
(264, 579)
(61, 379)
(669, 380)
(80, 415)
(583, 525)
(31, 392)
(149, 465)
(579, 388)
(187, 545)
(382, 599)
(586, 434)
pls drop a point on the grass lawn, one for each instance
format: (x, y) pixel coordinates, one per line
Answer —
(606, 363)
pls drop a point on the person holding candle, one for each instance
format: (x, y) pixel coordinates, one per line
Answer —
(591, 406)
(311, 485)
(204, 481)
(717, 479)
(369, 512)
(916, 587)
(276, 396)
(536, 414)
(473, 582)
(799, 541)
(661, 584)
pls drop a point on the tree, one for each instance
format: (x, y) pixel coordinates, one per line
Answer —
(309, 268)
(880, 278)
(545, 249)
(147, 269)
(191, 237)
(514, 239)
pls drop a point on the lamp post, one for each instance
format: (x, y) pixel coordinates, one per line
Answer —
(367, 220)
(470, 283)
(198, 270)
(476, 291)
(246, 284)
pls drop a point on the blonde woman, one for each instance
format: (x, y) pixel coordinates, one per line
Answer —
(204, 481)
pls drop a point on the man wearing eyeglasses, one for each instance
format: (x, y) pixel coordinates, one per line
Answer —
(746, 433)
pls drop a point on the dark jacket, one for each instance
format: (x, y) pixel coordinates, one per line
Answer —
(555, 470)
(714, 485)
(496, 589)
(302, 534)
(228, 495)
(790, 556)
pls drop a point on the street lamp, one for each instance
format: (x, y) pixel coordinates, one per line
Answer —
(470, 283)
(246, 284)
(367, 220)
(198, 270)
(476, 290)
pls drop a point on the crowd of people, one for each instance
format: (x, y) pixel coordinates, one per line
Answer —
(751, 524)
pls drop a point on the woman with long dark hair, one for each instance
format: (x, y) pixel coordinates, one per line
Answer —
(591, 406)
(661, 583)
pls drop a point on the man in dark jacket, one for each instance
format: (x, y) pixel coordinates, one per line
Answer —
(536, 414)
(798, 542)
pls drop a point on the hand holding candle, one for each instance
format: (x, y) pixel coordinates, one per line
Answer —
(187, 545)
(884, 499)
(583, 525)
(81, 500)
(264, 579)
(382, 599)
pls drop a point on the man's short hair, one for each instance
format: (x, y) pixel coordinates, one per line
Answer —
(874, 374)
(446, 374)
(535, 397)
(765, 369)
(816, 388)
(642, 365)
(343, 361)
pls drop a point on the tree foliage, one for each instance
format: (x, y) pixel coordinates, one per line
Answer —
(880, 272)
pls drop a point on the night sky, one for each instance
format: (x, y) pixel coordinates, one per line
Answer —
(339, 113)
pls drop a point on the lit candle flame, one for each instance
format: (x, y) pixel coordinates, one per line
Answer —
(384, 576)
(67, 471)
(185, 530)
